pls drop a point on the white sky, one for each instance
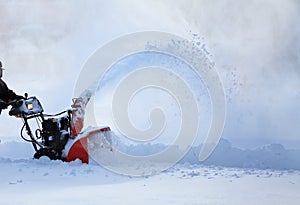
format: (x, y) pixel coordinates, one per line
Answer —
(255, 44)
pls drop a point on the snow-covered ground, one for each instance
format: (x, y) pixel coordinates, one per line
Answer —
(27, 181)
(53, 182)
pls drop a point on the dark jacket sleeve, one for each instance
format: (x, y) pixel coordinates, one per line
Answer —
(6, 94)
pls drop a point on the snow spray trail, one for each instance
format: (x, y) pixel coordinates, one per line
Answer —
(154, 76)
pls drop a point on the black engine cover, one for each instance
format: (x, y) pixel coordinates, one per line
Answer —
(56, 132)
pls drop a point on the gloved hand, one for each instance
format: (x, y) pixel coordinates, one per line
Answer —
(3, 105)
(19, 97)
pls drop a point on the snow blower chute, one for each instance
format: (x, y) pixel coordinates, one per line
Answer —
(59, 136)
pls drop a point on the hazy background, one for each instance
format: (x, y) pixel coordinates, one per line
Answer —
(255, 45)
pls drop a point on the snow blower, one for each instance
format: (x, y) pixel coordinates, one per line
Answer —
(59, 136)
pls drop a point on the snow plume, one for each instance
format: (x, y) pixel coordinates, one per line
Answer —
(256, 48)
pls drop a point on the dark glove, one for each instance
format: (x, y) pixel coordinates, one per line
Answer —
(3, 105)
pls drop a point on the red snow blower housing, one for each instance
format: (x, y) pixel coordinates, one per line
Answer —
(58, 136)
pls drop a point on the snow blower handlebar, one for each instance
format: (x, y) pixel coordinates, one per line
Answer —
(26, 109)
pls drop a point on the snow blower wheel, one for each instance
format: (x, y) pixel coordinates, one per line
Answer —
(45, 152)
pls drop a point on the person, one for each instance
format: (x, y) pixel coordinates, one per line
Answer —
(6, 95)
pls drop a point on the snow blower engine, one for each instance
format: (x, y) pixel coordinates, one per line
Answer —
(54, 132)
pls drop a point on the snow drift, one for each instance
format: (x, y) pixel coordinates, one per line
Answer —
(272, 156)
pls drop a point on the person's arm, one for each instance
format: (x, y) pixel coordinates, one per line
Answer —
(11, 95)
(8, 95)
(3, 105)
